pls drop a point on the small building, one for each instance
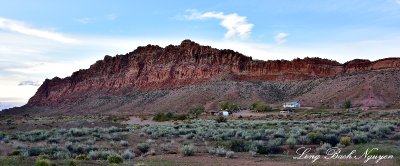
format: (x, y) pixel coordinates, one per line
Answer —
(294, 104)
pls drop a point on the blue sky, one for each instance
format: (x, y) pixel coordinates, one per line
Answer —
(43, 39)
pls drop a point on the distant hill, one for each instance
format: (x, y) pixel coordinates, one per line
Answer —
(155, 79)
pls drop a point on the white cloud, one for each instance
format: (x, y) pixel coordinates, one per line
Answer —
(237, 26)
(280, 38)
(111, 16)
(32, 83)
(22, 28)
(85, 20)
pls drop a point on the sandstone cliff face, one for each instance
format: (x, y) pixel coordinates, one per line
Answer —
(154, 68)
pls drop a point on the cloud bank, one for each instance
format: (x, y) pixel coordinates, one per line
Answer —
(32, 83)
(280, 38)
(237, 26)
(22, 28)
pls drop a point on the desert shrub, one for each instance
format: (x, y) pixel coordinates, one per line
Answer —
(280, 133)
(53, 140)
(118, 136)
(2, 135)
(190, 136)
(346, 141)
(360, 138)
(230, 154)
(195, 111)
(143, 147)
(211, 150)
(181, 117)
(221, 119)
(323, 148)
(114, 159)
(160, 117)
(220, 151)
(347, 104)
(291, 142)
(61, 155)
(15, 153)
(34, 151)
(187, 150)
(128, 154)
(315, 137)
(42, 163)
(237, 145)
(260, 107)
(81, 157)
(100, 155)
(43, 156)
(33, 136)
(165, 147)
(271, 148)
(331, 139)
(304, 140)
(77, 148)
(78, 132)
(71, 163)
(124, 143)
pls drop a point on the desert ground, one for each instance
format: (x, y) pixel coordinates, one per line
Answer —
(243, 138)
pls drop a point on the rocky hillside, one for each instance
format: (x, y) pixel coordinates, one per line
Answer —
(153, 78)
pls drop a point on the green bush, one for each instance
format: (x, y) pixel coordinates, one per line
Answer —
(71, 163)
(162, 117)
(315, 137)
(42, 162)
(81, 157)
(347, 104)
(181, 117)
(187, 150)
(195, 111)
(225, 105)
(346, 141)
(114, 159)
(260, 107)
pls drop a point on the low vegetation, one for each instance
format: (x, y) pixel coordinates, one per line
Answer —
(218, 136)
(260, 107)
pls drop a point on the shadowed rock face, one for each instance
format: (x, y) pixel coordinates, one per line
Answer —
(152, 68)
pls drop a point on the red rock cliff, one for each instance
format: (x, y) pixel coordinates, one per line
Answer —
(152, 67)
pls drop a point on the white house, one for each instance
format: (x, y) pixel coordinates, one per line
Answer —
(225, 113)
(294, 104)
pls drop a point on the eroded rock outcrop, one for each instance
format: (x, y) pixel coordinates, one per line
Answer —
(153, 68)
